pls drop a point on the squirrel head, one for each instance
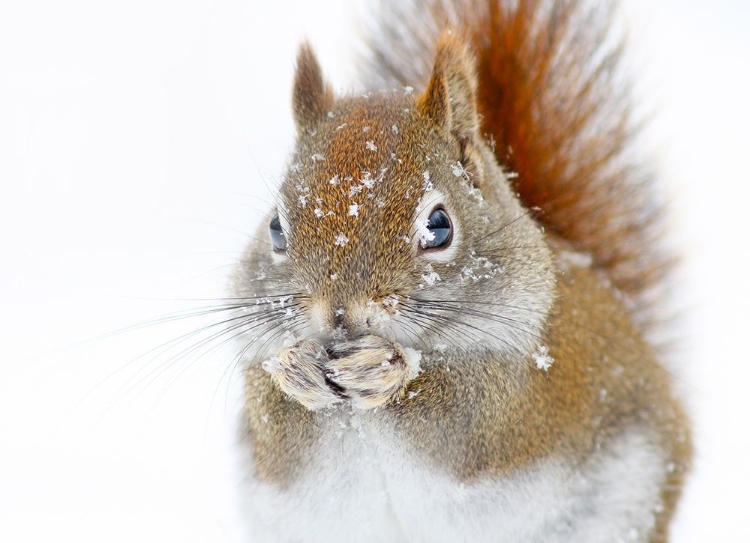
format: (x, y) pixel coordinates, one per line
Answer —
(395, 219)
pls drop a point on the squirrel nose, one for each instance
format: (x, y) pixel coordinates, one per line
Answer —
(350, 320)
(339, 319)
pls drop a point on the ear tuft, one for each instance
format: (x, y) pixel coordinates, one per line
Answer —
(312, 97)
(451, 95)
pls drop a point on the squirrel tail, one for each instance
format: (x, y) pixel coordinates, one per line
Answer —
(553, 101)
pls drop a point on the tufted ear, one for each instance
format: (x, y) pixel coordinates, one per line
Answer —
(312, 97)
(451, 95)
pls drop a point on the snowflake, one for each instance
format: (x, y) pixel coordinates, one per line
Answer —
(430, 277)
(341, 239)
(542, 358)
(367, 180)
(459, 170)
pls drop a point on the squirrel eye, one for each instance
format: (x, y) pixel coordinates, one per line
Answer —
(278, 239)
(440, 226)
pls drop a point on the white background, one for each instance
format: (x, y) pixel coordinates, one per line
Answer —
(137, 142)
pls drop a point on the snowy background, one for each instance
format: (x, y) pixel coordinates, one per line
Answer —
(137, 144)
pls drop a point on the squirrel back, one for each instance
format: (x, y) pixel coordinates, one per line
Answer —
(557, 110)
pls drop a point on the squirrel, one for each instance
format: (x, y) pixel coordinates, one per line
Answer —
(451, 319)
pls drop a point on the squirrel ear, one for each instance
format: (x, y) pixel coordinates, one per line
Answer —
(451, 95)
(312, 97)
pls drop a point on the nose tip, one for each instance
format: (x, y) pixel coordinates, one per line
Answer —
(339, 319)
(350, 321)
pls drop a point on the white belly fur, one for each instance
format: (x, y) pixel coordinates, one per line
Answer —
(364, 487)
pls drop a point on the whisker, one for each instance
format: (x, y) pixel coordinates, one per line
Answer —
(425, 323)
(237, 359)
(164, 346)
(445, 306)
(447, 319)
(229, 337)
(261, 298)
(513, 247)
(265, 317)
(475, 312)
(454, 323)
(409, 329)
(506, 225)
(189, 313)
(164, 366)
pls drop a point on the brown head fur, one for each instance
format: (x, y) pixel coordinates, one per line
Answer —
(360, 172)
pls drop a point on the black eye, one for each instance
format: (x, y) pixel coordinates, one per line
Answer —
(277, 235)
(439, 225)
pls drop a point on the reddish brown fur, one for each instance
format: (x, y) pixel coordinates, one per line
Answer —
(562, 122)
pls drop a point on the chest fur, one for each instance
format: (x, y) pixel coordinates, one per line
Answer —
(361, 485)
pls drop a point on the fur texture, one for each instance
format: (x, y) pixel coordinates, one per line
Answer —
(496, 386)
(556, 106)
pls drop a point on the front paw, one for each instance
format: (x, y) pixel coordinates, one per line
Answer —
(372, 371)
(300, 372)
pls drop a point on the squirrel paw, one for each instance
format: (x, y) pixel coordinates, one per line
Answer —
(372, 371)
(300, 371)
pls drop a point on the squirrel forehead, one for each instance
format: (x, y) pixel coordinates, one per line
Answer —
(368, 152)
(352, 191)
